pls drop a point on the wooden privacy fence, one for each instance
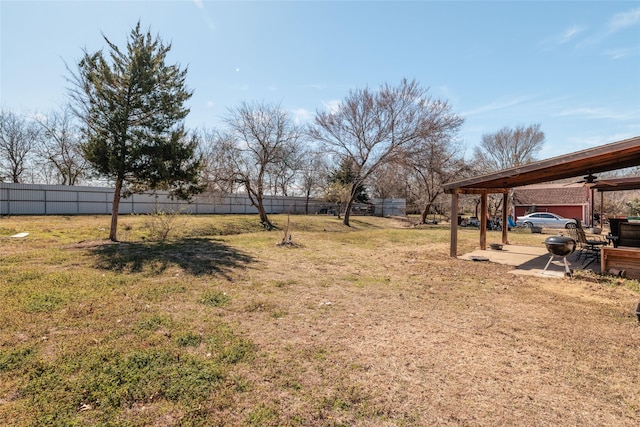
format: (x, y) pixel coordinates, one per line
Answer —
(41, 199)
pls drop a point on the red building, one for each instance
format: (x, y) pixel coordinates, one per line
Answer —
(566, 200)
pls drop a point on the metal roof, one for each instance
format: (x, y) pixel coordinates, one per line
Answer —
(551, 194)
(613, 156)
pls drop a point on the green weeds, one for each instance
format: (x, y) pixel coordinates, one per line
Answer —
(153, 323)
(263, 415)
(215, 298)
(103, 383)
(15, 358)
(108, 382)
(188, 339)
(229, 347)
(42, 302)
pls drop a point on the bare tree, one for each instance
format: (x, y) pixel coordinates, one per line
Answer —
(504, 149)
(283, 174)
(438, 160)
(374, 128)
(18, 138)
(508, 148)
(60, 146)
(261, 140)
(388, 181)
(219, 150)
(313, 175)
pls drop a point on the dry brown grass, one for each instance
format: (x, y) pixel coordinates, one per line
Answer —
(369, 326)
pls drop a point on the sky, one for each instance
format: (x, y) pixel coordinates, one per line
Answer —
(571, 66)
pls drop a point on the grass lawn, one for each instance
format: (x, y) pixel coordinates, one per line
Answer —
(372, 325)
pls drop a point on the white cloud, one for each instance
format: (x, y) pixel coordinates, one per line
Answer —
(565, 37)
(569, 34)
(497, 105)
(594, 113)
(302, 116)
(617, 23)
(595, 141)
(332, 105)
(622, 52)
(623, 20)
(313, 86)
(200, 5)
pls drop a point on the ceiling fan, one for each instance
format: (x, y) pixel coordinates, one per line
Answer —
(590, 180)
(587, 180)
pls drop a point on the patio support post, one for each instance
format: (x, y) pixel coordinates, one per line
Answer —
(483, 221)
(505, 221)
(593, 205)
(601, 209)
(453, 244)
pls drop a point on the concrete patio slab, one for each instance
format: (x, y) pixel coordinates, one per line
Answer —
(530, 260)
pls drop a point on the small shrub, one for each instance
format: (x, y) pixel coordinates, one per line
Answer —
(161, 224)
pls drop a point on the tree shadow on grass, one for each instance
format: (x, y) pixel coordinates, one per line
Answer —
(197, 256)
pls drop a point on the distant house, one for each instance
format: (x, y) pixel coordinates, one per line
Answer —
(567, 200)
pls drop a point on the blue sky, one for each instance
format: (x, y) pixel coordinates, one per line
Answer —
(572, 66)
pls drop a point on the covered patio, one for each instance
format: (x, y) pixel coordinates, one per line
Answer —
(614, 156)
(531, 260)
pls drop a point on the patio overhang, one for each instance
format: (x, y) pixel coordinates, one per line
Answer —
(617, 184)
(614, 156)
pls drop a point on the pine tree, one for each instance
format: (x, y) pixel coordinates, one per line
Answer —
(346, 176)
(132, 105)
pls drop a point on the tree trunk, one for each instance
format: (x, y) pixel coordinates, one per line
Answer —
(425, 212)
(264, 219)
(113, 232)
(306, 203)
(347, 212)
(255, 197)
(352, 198)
